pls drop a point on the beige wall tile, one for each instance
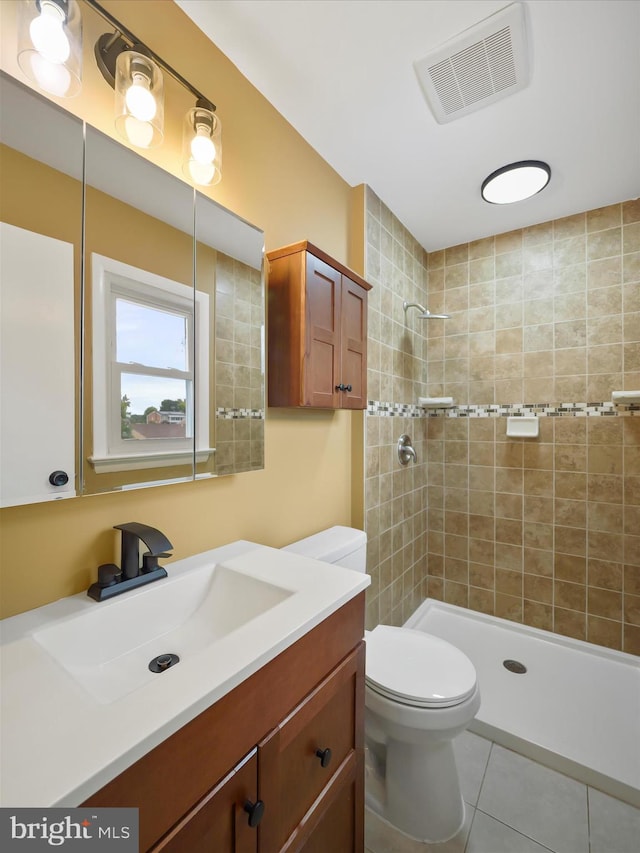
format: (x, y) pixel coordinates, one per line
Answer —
(570, 623)
(570, 567)
(545, 530)
(538, 615)
(605, 603)
(604, 632)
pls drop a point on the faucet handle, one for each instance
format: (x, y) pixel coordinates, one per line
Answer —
(150, 561)
(108, 574)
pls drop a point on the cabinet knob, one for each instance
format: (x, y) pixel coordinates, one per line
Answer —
(255, 811)
(58, 478)
(324, 755)
(343, 387)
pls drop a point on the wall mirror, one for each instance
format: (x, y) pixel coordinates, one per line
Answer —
(169, 344)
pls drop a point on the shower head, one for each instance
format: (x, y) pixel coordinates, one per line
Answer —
(425, 314)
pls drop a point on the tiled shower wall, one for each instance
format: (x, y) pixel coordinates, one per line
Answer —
(395, 496)
(239, 380)
(544, 531)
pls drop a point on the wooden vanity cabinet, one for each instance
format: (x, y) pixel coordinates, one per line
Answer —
(317, 341)
(220, 820)
(264, 742)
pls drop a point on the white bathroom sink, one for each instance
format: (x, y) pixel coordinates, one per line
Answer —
(78, 697)
(107, 649)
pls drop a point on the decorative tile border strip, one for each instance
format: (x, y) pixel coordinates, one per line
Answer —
(395, 410)
(239, 414)
(503, 410)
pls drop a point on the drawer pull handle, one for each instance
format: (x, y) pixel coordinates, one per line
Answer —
(255, 812)
(325, 756)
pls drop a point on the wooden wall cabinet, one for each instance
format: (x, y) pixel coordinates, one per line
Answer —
(317, 342)
(288, 741)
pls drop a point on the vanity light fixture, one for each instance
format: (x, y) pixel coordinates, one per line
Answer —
(50, 54)
(202, 144)
(516, 182)
(137, 79)
(136, 74)
(50, 45)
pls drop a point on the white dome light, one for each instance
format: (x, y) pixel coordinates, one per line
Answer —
(516, 182)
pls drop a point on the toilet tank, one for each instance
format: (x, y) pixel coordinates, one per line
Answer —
(342, 546)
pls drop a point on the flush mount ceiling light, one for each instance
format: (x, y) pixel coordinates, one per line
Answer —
(202, 145)
(50, 45)
(516, 182)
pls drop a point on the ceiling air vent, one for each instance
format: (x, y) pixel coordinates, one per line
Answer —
(483, 64)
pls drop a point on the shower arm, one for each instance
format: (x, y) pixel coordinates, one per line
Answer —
(425, 314)
(421, 308)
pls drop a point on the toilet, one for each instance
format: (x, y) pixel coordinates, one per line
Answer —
(420, 693)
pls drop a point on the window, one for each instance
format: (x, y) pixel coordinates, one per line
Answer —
(146, 375)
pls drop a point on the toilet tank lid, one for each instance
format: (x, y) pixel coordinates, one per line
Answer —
(330, 545)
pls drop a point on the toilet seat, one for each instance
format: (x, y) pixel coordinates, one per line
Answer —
(417, 669)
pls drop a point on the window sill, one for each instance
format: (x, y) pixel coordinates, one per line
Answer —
(139, 461)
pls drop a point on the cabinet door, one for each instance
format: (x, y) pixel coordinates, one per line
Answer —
(321, 359)
(37, 367)
(303, 762)
(219, 823)
(337, 829)
(353, 369)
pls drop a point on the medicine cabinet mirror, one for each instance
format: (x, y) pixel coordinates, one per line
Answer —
(132, 317)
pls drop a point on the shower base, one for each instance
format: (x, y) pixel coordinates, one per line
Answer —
(575, 709)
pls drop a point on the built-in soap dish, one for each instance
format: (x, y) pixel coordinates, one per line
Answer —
(626, 398)
(435, 402)
(525, 426)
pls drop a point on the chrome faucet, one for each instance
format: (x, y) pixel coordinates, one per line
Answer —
(113, 580)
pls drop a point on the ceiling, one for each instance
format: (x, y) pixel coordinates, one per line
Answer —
(341, 72)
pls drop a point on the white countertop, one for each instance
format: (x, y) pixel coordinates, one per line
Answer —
(59, 743)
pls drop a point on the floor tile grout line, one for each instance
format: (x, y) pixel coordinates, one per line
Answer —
(475, 812)
(484, 775)
(513, 829)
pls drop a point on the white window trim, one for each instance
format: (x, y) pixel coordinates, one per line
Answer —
(105, 274)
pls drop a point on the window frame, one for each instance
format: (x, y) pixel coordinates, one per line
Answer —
(112, 279)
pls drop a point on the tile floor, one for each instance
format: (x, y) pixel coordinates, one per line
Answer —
(515, 805)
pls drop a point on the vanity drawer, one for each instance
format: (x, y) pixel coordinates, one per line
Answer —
(301, 760)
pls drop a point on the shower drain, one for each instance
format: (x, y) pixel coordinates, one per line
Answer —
(514, 666)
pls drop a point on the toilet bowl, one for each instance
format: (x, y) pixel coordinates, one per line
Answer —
(420, 693)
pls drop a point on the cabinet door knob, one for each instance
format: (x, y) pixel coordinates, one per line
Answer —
(255, 811)
(343, 387)
(340, 387)
(58, 478)
(324, 755)
(348, 388)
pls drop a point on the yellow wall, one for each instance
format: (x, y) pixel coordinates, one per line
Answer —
(274, 179)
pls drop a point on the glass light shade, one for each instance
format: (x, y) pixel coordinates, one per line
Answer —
(139, 99)
(516, 182)
(202, 147)
(50, 45)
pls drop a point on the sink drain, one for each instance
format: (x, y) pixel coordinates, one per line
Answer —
(514, 666)
(163, 662)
